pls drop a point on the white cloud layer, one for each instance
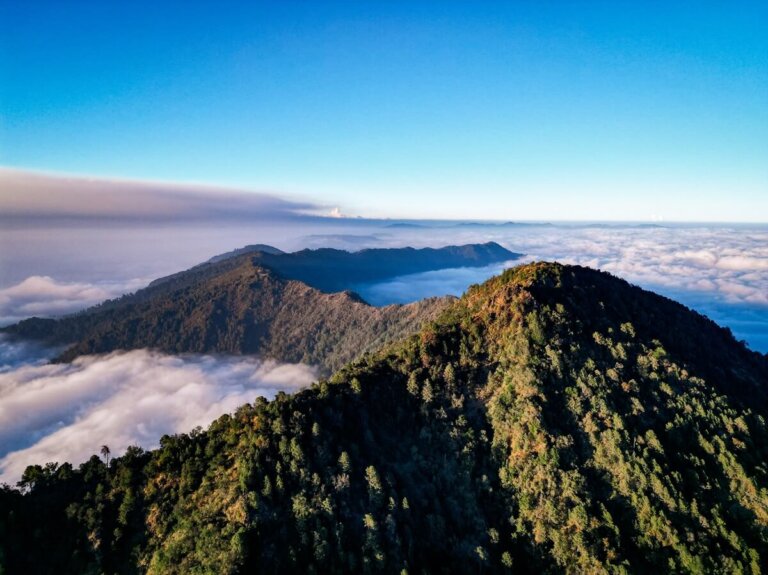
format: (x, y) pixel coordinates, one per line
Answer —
(45, 297)
(720, 270)
(730, 263)
(15, 353)
(412, 287)
(65, 412)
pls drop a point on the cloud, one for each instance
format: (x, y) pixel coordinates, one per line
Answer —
(699, 265)
(729, 262)
(412, 287)
(65, 412)
(29, 197)
(16, 353)
(742, 263)
(44, 297)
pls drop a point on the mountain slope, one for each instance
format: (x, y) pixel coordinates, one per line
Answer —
(244, 310)
(332, 270)
(221, 306)
(555, 419)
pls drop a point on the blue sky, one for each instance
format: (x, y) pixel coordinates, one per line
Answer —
(518, 110)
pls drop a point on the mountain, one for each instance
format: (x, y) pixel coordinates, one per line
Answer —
(244, 309)
(214, 266)
(501, 224)
(255, 300)
(333, 270)
(406, 225)
(554, 419)
(245, 250)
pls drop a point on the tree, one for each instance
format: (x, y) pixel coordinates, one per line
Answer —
(105, 452)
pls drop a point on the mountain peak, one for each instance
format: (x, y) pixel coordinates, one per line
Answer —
(553, 302)
(249, 249)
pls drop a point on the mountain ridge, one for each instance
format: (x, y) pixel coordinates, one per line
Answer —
(330, 270)
(245, 310)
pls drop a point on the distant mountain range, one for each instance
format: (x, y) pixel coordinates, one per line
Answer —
(332, 270)
(245, 250)
(260, 300)
(555, 419)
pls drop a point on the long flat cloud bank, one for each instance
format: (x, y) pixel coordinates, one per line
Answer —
(65, 412)
(28, 197)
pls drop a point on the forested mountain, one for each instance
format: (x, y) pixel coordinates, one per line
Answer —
(244, 302)
(554, 419)
(245, 309)
(332, 270)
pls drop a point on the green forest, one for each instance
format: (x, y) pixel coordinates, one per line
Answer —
(240, 308)
(555, 419)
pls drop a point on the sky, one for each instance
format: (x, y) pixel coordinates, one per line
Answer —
(513, 111)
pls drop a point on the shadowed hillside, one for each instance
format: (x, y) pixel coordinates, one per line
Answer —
(246, 309)
(334, 270)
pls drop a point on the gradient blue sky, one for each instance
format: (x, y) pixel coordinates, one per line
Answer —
(518, 110)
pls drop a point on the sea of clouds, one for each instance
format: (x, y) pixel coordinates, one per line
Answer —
(46, 297)
(719, 270)
(65, 412)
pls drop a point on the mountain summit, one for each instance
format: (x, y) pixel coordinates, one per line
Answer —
(554, 419)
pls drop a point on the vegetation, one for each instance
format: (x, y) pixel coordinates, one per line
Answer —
(555, 419)
(333, 270)
(244, 309)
